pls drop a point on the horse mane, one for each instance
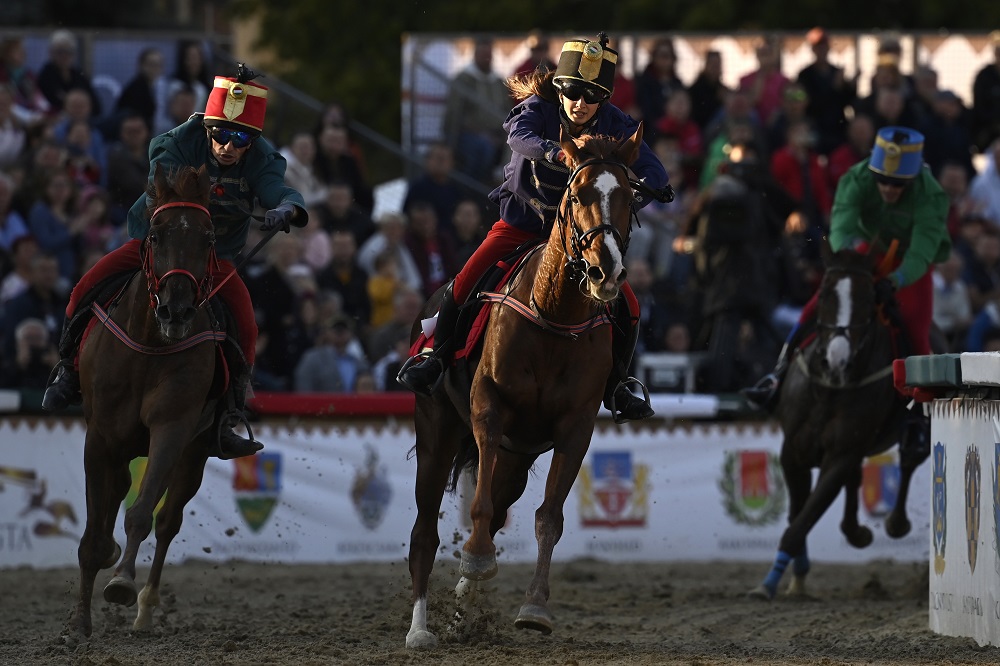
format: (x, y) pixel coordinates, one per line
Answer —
(182, 183)
(597, 145)
(848, 259)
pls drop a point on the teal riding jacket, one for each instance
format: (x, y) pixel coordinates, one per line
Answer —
(257, 179)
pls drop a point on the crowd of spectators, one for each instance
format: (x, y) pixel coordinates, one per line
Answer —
(754, 168)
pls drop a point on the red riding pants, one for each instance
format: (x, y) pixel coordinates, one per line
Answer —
(916, 305)
(234, 293)
(501, 240)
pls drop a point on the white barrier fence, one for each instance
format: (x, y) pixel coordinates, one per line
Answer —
(965, 530)
(340, 494)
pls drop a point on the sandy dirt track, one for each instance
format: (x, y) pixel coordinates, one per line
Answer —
(692, 614)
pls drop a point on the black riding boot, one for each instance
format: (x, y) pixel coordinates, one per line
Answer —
(231, 445)
(623, 405)
(915, 441)
(64, 380)
(764, 393)
(423, 372)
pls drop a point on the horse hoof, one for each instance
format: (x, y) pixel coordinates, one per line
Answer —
(533, 616)
(760, 593)
(478, 567)
(861, 538)
(897, 529)
(77, 627)
(797, 588)
(421, 638)
(113, 560)
(121, 590)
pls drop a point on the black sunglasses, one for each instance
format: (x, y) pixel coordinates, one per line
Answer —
(889, 181)
(224, 136)
(574, 91)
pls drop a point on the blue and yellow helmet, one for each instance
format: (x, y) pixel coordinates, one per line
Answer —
(898, 153)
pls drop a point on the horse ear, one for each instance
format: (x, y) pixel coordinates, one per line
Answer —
(160, 181)
(826, 252)
(628, 151)
(568, 145)
(204, 181)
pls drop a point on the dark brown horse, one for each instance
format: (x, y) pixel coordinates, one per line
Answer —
(535, 386)
(146, 392)
(836, 407)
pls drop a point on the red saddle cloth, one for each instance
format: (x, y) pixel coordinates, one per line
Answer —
(509, 267)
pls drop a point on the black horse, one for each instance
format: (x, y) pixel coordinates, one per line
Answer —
(837, 406)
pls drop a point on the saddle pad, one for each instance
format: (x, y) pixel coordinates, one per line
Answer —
(509, 266)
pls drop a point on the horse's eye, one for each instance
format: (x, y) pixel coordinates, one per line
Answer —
(154, 238)
(575, 200)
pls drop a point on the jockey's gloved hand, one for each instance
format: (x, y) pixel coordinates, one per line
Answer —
(280, 217)
(885, 291)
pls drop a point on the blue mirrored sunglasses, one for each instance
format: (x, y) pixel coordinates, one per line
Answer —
(574, 91)
(223, 136)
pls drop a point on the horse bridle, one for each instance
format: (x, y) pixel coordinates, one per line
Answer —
(202, 288)
(846, 328)
(581, 240)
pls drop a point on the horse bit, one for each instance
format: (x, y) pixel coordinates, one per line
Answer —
(202, 288)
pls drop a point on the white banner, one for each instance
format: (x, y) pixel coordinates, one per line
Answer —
(965, 554)
(339, 494)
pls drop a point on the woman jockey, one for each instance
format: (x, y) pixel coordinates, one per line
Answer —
(574, 99)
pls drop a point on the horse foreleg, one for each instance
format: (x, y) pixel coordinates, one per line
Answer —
(793, 540)
(185, 480)
(534, 614)
(436, 449)
(163, 452)
(479, 557)
(105, 492)
(857, 535)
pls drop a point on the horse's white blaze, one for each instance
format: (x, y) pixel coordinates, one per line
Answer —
(838, 352)
(844, 302)
(606, 184)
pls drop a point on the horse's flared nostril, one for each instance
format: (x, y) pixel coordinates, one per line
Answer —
(163, 313)
(622, 276)
(595, 274)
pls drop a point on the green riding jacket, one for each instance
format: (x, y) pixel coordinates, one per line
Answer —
(917, 220)
(257, 179)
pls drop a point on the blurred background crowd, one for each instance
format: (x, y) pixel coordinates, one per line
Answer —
(720, 273)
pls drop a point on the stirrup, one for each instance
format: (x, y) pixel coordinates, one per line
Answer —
(764, 392)
(413, 360)
(226, 423)
(613, 406)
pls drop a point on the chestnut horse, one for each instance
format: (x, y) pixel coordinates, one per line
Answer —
(535, 385)
(146, 392)
(837, 406)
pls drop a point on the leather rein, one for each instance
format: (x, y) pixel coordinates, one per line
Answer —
(579, 242)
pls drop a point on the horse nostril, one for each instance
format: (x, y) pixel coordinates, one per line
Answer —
(622, 276)
(189, 313)
(595, 274)
(163, 313)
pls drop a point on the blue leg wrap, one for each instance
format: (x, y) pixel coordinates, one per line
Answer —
(777, 570)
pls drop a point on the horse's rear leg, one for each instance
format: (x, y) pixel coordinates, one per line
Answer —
(534, 614)
(793, 540)
(479, 557)
(184, 483)
(857, 535)
(897, 525)
(107, 482)
(436, 450)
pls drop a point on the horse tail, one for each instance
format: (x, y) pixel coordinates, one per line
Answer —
(466, 458)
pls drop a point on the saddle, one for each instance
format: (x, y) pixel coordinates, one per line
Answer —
(473, 316)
